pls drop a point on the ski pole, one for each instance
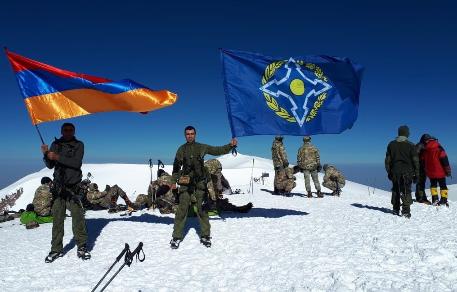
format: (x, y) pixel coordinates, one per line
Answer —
(125, 250)
(127, 261)
(150, 167)
(251, 183)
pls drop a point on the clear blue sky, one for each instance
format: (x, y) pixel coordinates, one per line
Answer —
(407, 47)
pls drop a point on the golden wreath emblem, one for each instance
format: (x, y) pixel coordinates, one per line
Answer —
(272, 103)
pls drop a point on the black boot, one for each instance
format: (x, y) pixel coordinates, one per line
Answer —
(83, 253)
(174, 243)
(206, 241)
(52, 256)
(443, 202)
(434, 200)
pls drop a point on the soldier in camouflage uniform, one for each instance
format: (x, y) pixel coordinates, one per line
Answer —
(164, 189)
(106, 199)
(190, 173)
(280, 163)
(309, 161)
(217, 185)
(42, 201)
(333, 179)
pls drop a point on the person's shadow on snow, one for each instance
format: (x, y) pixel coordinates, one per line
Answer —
(95, 226)
(380, 209)
(275, 194)
(192, 222)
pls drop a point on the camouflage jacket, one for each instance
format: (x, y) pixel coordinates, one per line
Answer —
(42, 201)
(95, 197)
(332, 174)
(308, 157)
(279, 155)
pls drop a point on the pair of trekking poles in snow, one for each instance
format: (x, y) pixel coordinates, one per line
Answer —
(128, 259)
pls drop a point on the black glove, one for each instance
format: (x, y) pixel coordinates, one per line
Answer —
(389, 176)
(286, 164)
(319, 167)
(415, 179)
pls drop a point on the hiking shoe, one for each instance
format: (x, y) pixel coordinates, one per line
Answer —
(425, 201)
(406, 214)
(206, 241)
(396, 212)
(434, 200)
(246, 208)
(320, 194)
(52, 256)
(310, 195)
(174, 243)
(83, 253)
(443, 201)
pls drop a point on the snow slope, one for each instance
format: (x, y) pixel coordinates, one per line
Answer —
(283, 244)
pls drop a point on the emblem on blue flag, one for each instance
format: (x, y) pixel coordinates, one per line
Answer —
(298, 82)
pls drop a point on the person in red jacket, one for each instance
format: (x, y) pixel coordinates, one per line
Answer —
(436, 168)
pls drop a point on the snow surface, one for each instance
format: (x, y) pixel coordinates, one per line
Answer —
(283, 244)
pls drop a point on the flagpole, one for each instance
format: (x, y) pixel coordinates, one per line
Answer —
(39, 133)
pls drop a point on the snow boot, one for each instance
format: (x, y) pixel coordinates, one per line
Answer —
(52, 256)
(206, 241)
(435, 200)
(406, 214)
(174, 243)
(320, 194)
(310, 195)
(443, 202)
(396, 212)
(83, 253)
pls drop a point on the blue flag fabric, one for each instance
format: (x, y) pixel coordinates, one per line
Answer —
(290, 96)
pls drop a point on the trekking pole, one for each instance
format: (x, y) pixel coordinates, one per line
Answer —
(251, 183)
(128, 261)
(150, 167)
(126, 249)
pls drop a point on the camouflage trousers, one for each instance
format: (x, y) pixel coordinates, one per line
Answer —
(78, 221)
(284, 182)
(183, 207)
(313, 174)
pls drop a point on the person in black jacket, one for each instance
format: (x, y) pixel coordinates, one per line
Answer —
(65, 157)
(402, 166)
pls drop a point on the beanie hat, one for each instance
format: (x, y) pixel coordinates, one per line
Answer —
(403, 131)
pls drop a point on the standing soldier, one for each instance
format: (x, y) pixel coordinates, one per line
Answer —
(402, 166)
(280, 163)
(66, 157)
(309, 161)
(42, 201)
(333, 179)
(190, 173)
(421, 196)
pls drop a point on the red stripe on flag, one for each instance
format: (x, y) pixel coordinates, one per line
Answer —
(20, 63)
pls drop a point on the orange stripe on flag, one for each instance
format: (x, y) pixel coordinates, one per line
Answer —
(79, 102)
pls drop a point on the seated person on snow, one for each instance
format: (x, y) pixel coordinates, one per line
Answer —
(163, 190)
(40, 210)
(107, 199)
(217, 185)
(333, 179)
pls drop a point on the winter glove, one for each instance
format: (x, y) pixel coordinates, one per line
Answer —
(319, 167)
(286, 164)
(415, 179)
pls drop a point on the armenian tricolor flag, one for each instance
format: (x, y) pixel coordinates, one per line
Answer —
(53, 94)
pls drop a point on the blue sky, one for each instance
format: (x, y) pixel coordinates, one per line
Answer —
(407, 48)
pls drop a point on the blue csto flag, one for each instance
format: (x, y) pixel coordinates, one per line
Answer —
(290, 96)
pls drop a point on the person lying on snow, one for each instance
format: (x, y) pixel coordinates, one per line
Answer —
(107, 199)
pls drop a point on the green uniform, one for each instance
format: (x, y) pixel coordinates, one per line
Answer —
(189, 161)
(67, 176)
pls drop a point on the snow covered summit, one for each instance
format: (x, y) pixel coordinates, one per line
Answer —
(284, 243)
